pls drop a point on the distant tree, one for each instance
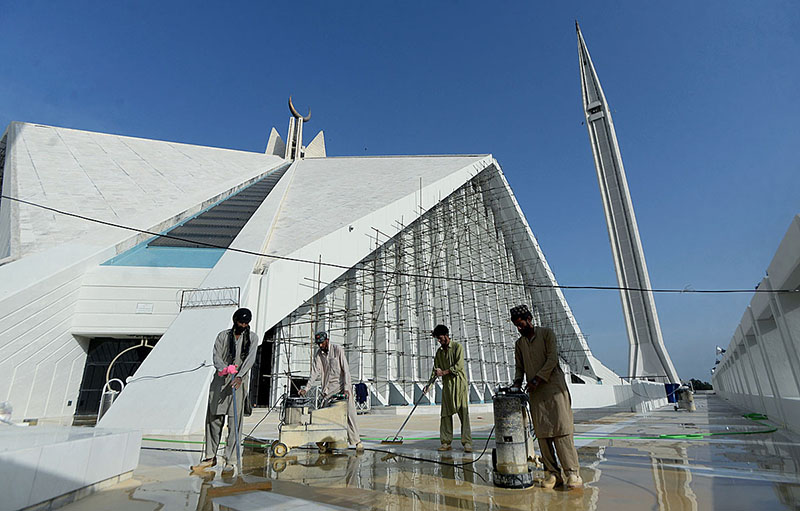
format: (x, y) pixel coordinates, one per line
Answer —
(701, 385)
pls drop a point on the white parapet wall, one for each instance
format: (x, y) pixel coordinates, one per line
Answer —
(58, 465)
(638, 396)
(759, 371)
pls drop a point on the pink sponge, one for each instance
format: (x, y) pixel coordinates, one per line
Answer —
(231, 369)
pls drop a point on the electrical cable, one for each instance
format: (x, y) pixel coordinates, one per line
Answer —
(156, 377)
(457, 465)
(414, 458)
(686, 290)
(265, 415)
(384, 451)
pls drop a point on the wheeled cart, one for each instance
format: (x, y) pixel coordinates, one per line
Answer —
(301, 424)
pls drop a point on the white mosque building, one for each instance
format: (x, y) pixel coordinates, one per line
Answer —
(123, 257)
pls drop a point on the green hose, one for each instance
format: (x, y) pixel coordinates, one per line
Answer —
(755, 417)
(173, 441)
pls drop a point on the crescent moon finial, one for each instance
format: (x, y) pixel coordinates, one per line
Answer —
(296, 114)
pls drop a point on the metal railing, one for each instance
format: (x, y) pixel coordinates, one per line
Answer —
(211, 297)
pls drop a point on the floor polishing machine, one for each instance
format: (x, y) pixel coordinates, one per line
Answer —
(514, 435)
(302, 423)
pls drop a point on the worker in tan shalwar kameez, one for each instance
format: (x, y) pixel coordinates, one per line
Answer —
(330, 363)
(536, 358)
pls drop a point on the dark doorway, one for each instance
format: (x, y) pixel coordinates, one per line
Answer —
(102, 351)
(261, 382)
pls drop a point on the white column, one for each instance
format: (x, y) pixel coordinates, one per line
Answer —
(776, 395)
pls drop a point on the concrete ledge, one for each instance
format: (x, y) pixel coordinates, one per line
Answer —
(79, 494)
(46, 467)
(427, 409)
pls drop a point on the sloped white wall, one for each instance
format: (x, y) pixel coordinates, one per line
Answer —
(41, 363)
(41, 359)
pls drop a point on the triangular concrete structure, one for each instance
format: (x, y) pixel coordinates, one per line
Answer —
(316, 149)
(134, 181)
(275, 145)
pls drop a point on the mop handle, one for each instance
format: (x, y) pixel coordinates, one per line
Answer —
(236, 430)
(415, 407)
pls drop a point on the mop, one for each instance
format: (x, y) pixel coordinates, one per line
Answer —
(240, 485)
(398, 440)
(236, 429)
(202, 470)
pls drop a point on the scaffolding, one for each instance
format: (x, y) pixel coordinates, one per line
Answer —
(442, 268)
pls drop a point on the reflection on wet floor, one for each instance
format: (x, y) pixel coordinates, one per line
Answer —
(621, 471)
(668, 477)
(375, 480)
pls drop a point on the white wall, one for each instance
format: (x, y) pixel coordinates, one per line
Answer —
(639, 396)
(6, 187)
(41, 362)
(109, 296)
(760, 371)
(45, 326)
(42, 355)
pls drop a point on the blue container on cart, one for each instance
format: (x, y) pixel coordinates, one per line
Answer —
(672, 396)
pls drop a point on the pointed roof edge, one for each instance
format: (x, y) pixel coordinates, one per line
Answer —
(404, 206)
(129, 137)
(316, 148)
(275, 145)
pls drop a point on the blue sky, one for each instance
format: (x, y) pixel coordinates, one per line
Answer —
(704, 98)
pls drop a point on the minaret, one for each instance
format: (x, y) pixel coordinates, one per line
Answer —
(294, 149)
(647, 355)
(294, 141)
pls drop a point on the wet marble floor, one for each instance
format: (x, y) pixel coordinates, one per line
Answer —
(665, 460)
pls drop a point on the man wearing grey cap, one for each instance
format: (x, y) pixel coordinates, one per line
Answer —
(331, 365)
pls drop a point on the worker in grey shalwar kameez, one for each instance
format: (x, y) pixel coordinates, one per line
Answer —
(234, 346)
(330, 363)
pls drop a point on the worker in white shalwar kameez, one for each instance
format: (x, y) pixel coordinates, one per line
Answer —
(331, 365)
(235, 346)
